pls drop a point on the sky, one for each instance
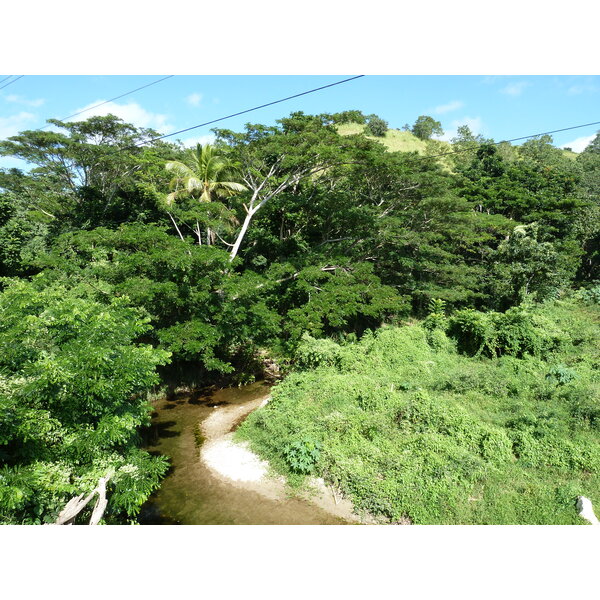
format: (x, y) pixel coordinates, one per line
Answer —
(499, 107)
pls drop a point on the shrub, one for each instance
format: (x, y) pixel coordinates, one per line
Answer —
(561, 374)
(409, 428)
(516, 332)
(377, 126)
(71, 402)
(312, 353)
(302, 455)
(591, 295)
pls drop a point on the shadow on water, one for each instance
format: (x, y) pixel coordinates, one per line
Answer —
(163, 430)
(190, 494)
(150, 515)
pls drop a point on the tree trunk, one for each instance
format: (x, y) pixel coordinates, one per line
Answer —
(177, 228)
(198, 233)
(240, 236)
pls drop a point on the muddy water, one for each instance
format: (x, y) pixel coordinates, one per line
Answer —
(190, 494)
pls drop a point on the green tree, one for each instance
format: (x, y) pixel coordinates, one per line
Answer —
(376, 126)
(527, 267)
(425, 126)
(588, 222)
(72, 395)
(87, 176)
(201, 313)
(206, 175)
(277, 159)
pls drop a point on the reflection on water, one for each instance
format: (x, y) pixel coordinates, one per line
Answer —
(190, 494)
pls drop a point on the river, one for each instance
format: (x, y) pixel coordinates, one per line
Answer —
(191, 494)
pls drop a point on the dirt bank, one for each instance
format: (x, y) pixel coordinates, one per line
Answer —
(236, 464)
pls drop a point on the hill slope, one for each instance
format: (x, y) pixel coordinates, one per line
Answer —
(413, 428)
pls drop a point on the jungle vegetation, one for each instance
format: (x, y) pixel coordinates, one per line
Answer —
(438, 316)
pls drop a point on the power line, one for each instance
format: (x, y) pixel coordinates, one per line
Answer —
(11, 82)
(111, 100)
(1, 80)
(249, 110)
(297, 96)
(525, 137)
(221, 118)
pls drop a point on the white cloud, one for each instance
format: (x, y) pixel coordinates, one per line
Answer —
(475, 124)
(444, 108)
(515, 89)
(130, 113)
(14, 124)
(194, 99)
(579, 144)
(203, 139)
(20, 100)
(580, 89)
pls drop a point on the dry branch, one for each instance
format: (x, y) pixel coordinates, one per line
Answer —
(75, 505)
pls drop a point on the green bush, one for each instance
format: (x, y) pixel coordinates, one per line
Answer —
(376, 126)
(411, 429)
(72, 397)
(302, 455)
(312, 353)
(591, 295)
(516, 332)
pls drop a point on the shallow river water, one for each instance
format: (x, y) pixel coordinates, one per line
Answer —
(191, 494)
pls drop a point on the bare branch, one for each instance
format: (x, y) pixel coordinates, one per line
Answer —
(177, 228)
(75, 505)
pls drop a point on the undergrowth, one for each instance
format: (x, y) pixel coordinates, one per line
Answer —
(475, 419)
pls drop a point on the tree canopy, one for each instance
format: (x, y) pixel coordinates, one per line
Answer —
(126, 264)
(426, 126)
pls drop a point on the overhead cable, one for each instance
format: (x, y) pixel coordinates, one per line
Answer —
(249, 110)
(111, 100)
(525, 137)
(11, 82)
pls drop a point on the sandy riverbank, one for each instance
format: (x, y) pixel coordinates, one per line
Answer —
(235, 463)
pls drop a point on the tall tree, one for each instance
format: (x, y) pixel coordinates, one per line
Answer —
(204, 176)
(276, 159)
(87, 175)
(426, 126)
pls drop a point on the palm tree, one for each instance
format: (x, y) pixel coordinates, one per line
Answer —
(206, 175)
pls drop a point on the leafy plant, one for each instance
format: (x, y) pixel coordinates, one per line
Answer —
(302, 455)
(561, 374)
(376, 126)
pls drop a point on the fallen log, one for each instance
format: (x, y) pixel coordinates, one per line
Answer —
(75, 505)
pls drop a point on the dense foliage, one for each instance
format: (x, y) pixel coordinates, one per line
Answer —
(70, 402)
(495, 422)
(426, 126)
(125, 264)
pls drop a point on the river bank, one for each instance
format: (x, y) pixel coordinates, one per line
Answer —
(213, 480)
(237, 465)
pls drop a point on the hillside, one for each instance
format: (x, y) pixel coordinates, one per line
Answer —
(415, 425)
(400, 141)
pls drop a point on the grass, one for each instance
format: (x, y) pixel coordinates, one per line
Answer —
(410, 428)
(401, 141)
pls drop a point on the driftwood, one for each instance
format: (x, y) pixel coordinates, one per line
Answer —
(75, 505)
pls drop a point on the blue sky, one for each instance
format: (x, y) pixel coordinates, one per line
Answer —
(500, 107)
